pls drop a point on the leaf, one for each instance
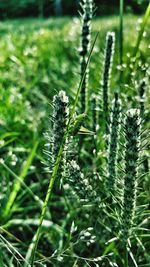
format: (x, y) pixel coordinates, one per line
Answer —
(143, 25)
(17, 182)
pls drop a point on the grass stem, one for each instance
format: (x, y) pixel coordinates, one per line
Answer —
(58, 160)
(126, 256)
(121, 30)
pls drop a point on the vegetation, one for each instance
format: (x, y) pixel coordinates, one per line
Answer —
(79, 194)
(45, 8)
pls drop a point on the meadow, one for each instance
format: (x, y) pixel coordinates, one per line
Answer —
(85, 222)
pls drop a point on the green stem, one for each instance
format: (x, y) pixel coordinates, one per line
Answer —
(121, 30)
(58, 160)
(126, 256)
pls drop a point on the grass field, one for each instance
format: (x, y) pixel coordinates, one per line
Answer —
(38, 58)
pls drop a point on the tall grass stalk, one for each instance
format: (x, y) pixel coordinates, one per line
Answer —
(58, 159)
(95, 122)
(142, 95)
(121, 31)
(60, 120)
(113, 144)
(132, 134)
(86, 16)
(142, 98)
(109, 52)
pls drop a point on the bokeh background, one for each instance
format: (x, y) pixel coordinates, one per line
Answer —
(45, 8)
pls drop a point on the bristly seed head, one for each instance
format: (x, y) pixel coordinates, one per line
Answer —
(132, 134)
(86, 16)
(113, 144)
(109, 52)
(56, 133)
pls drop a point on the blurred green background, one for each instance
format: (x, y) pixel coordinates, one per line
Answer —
(34, 8)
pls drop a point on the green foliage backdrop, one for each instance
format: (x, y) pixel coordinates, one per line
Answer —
(25, 8)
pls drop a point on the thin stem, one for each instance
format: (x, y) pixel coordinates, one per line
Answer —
(121, 30)
(126, 256)
(58, 160)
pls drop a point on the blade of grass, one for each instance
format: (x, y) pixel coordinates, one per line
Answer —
(5, 135)
(8, 142)
(17, 182)
(35, 222)
(30, 250)
(20, 242)
(139, 39)
(58, 159)
(27, 190)
(143, 25)
(12, 249)
(133, 259)
(47, 225)
(28, 163)
(35, 197)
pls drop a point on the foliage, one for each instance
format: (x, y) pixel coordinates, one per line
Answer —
(35, 8)
(80, 225)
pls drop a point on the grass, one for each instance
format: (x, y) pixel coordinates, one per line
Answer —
(37, 59)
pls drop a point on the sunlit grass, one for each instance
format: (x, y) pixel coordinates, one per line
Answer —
(37, 59)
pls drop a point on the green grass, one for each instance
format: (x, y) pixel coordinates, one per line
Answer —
(37, 59)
